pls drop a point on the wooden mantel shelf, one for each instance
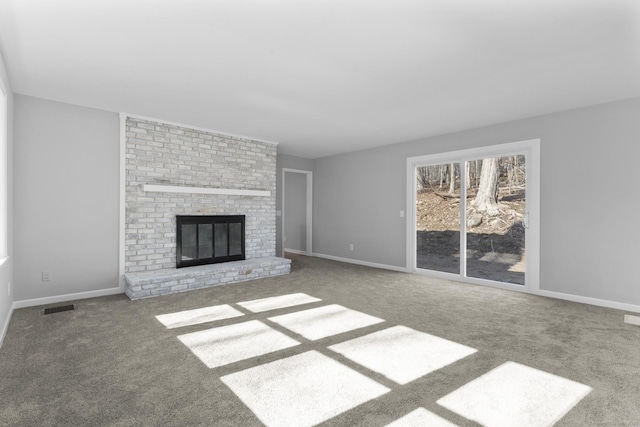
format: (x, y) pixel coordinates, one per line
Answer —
(204, 190)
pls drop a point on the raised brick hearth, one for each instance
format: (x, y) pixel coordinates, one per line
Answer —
(161, 282)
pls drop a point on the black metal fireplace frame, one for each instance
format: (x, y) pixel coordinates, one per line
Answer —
(208, 219)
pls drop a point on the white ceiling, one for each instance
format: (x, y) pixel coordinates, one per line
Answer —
(322, 77)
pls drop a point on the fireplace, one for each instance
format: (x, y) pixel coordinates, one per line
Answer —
(209, 239)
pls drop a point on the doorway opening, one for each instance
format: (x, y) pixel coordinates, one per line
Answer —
(297, 212)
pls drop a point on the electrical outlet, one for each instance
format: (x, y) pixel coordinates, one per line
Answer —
(46, 276)
(350, 246)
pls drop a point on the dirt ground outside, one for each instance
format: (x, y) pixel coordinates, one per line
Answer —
(495, 246)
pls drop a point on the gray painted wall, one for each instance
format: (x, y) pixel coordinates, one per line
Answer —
(66, 196)
(589, 241)
(6, 271)
(65, 170)
(288, 162)
(295, 211)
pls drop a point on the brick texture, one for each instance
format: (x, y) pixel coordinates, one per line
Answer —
(162, 282)
(162, 154)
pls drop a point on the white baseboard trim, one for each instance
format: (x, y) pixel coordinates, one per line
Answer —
(63, 298)
(296, 251)
(587, 300)
(632, 320)
(358, 262)
(551, 294)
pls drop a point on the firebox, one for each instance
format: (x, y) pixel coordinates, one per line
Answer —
(209, 239)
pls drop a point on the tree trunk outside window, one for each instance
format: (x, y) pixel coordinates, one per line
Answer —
(487, 198)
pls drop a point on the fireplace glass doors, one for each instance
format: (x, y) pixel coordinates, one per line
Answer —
(209, 239)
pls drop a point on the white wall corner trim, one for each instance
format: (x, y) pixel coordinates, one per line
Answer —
(5, 326)
(365, 263)
(204, 190)
(123, 192)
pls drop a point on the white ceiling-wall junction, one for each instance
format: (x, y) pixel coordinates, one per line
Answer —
(322, 77)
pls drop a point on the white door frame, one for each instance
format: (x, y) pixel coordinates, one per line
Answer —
(531, 148)
(309, 220)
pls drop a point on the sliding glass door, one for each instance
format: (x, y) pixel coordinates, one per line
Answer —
(438, 217)
(472, 214)
(496, 218)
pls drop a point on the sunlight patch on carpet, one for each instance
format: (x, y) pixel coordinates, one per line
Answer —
(273, 303)
(402, 354)
(515, 394)
(198, 316)
(227, 344)
(421, 417)
(325, 321)
(301, 390)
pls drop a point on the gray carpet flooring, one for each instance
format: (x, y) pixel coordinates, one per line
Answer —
(111, 362)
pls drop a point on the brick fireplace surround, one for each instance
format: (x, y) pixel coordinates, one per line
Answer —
(171, 170)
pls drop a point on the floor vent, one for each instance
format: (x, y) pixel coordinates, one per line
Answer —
(59, 309)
